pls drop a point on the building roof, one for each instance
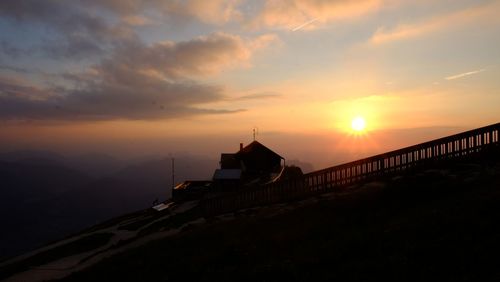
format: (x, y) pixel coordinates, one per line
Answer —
(229, 161)
(257, 148)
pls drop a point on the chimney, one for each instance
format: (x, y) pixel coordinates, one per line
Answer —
(241, 146)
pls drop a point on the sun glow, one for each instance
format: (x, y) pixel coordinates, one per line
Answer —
(358, 124)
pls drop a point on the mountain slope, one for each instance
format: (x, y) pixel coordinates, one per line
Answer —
(45, 198)
(33, 199)
(440, 223)
(434, 225)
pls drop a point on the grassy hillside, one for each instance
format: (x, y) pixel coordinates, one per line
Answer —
(438, 224)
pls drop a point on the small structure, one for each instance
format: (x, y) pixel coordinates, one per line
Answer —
(162, 206)
(253, 164)
(190, 190)
(226, 179)
(257, 160)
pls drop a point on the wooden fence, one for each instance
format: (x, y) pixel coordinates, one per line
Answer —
(328, 179)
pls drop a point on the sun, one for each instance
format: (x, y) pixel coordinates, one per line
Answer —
(358, 124)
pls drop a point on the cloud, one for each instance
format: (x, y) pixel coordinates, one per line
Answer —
(127, 78)
(471, 15)
(15, 87)
(71, 30)
(200, 56)
(261, 95)
(14, 69)
(383, 35)
(105, 101)
(137, 81)
(464, 74)
(281, 14)
(10, 50)
(212, 12)
(137, 20)
(77, 31)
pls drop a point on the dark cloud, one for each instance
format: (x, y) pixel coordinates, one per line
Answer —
(106, 101)
(14, 69)
(72, 31)
(200, 56)
(79, 29)
(10, 50)
(175, 11)
(18, 99)
(72, 46)
(131, 80)
(137, 81)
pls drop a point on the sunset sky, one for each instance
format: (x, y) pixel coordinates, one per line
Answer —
(136, 77)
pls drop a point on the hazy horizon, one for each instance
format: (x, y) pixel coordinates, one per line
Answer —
(319, 150)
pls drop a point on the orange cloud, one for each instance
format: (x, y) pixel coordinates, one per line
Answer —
(308, 14)
(474, 15)
(138, 81)
(213, 11)
(136, 20)
(200, 56)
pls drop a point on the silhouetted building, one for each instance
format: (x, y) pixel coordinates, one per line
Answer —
(257, 160)
(227, 179)
(252, 164)
(229, 161)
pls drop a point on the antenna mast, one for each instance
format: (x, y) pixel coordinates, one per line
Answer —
(255, 132)
(173, 174)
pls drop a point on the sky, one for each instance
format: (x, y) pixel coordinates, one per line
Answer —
(140, 77)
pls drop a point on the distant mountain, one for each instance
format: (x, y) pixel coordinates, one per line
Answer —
(96, 165)
(32, 157)
(306, 167)
(160, 170)
(27, 183)
(47, 196)
(30, 206)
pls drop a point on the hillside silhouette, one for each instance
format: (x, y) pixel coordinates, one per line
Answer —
(49, 196)
(437, 224)
(434, 224)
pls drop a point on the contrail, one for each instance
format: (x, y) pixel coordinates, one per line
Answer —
(464, 74)
(304, 24)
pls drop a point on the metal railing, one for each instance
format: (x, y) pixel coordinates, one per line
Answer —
(328, 179)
